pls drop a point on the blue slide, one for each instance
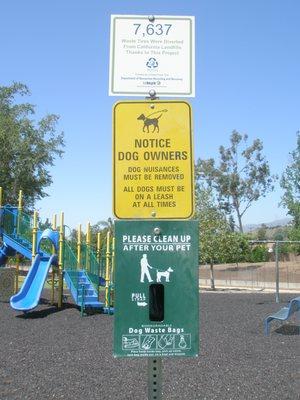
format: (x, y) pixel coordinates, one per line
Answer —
(30, 293)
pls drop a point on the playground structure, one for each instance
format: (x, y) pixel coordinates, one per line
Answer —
(83, 270)
(283, 314)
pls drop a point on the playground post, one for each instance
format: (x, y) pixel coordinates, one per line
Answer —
(20, 208)
(34, 233)
(60, 261)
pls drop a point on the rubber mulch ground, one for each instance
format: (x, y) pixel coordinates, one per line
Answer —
(60, 355)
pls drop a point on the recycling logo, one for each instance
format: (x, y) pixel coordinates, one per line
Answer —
(152, 63)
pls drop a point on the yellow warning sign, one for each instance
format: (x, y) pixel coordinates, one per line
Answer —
(153, 160)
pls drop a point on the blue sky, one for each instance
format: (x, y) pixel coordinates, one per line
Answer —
(247, 78)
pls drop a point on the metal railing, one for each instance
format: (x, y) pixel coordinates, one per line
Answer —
(17, 224)
(260, 275)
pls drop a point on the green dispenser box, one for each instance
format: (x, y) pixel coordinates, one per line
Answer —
(156, 289)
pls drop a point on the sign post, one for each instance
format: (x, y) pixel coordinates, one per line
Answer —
(156, 254)
(154, 379)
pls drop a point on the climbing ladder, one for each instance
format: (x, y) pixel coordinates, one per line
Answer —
(80, 282)
(82, 290)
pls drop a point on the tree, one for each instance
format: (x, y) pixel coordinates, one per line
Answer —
(290, 182)
(237, 248)
(44, 224)
(217, 242)
(212, 227)
(242, 176)
(106, 226)
(294, 234)
(28, 147)
(102, 227)
(259, 253)
(262, 232)
(281, 234)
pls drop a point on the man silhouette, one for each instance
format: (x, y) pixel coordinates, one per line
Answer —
(144, 269)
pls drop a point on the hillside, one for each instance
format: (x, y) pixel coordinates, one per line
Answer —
(278, 223)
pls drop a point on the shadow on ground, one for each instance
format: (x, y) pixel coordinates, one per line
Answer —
(289, 330)
(45, 312)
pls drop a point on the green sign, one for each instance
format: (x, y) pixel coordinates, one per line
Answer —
(156, 289)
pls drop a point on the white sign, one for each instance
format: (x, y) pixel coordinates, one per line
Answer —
(152, 53)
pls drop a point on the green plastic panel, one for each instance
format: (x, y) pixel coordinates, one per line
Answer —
(163, 254)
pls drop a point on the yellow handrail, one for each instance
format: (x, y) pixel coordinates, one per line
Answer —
(99, 248)
(88, 247)
(20, 201)
(79, 247)
(34, 233)
(107, 270)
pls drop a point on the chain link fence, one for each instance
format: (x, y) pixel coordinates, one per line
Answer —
(254, 275)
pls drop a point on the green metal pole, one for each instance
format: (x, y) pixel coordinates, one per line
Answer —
(154, 378)
(82, 300)
(17, 272)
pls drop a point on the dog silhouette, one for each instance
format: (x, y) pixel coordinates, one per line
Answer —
(148, 122)
(165, 274)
